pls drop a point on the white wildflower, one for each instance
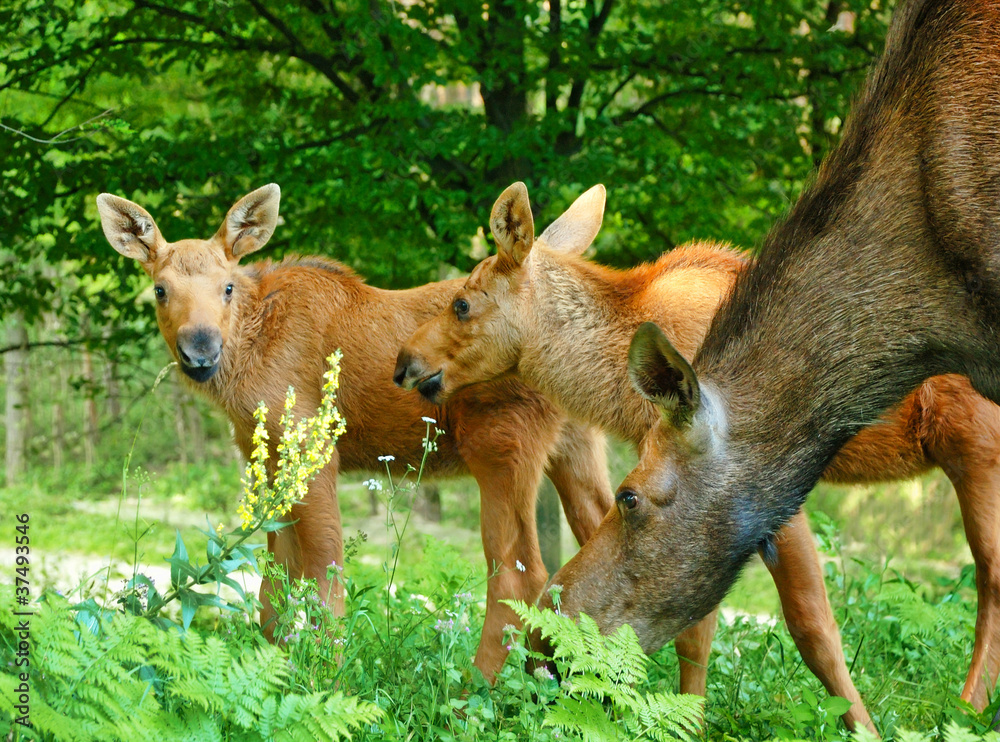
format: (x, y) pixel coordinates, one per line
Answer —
(520, 567)
(429, 420)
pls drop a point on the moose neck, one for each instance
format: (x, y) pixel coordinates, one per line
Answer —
(582, 319)
(855, 298)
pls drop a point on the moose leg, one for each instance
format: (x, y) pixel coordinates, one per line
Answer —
(320, 537)
(309, 546)
(959, 431)
(693, 646)
(961, 434)
(981, 514)
(513, 558)
(578, 467)
(284, 547)
(799, 578)
(505, 447)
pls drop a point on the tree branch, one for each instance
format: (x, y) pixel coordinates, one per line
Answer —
(614, 93)
(74, 89)
(55, 139)
(644, 109)
(320, 63)
(313, 144)
(46, 344)
(596, 24)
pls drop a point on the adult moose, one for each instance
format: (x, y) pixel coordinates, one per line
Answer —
(886, 272)
(242, 334)
(565, 325)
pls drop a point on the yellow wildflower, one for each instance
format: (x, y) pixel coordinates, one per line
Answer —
(306, 446)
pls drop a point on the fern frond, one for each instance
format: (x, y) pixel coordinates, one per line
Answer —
(663, 716)
(585, 719)
(955, 733)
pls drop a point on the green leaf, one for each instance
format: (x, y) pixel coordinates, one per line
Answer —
(836, 705)
(179, 561)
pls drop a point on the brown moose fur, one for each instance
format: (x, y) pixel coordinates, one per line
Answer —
(565, 325)
(277, 328)
(884, 274)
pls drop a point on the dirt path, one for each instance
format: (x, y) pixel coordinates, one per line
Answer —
(89, 575)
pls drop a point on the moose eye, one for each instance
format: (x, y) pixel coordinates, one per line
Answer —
(160, 292)
(461, 307)
(627, 498)
(229, 289)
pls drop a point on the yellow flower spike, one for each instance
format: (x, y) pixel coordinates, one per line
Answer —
(304, 448)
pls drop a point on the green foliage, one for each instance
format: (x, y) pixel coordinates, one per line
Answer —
(99, 674)
(392, 127)
(417, 667)
(952, 733)
(398, 665)
(599, 700)
(124, 678)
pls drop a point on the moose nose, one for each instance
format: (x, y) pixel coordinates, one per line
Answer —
(412, 372)
(199, 350)
(406, 373)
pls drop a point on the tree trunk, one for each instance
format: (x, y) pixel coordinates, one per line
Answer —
(59, 386)
(180, 424)
(90, 421)
(428, 501)
(16, 366)
(503, 86)
(195, 431)
(111, 388)
(549, 520)
(59, 416)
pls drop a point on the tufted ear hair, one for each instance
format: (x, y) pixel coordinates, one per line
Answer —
(130, 229)
(577, 227)
(662, 375)
(250, 222)
(512, 225)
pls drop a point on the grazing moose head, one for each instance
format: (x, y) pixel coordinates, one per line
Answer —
(480, 337)
(886, 272)
(655, 560)
(195, 280)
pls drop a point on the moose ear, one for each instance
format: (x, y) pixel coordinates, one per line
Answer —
(578, 226)
(129, 228)
(251, 221)
(661, 375)
(512, 225)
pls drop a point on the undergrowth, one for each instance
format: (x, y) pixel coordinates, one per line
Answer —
(186, 661)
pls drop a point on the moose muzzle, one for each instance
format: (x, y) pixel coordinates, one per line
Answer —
(411, 372)
(199, 350)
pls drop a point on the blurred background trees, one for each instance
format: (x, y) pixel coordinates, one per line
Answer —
(391, 126)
